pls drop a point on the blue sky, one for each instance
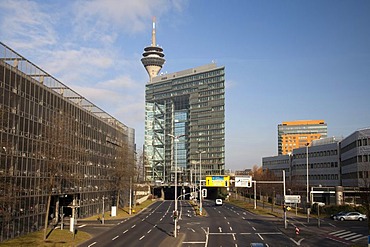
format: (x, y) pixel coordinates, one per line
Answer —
(284, 60)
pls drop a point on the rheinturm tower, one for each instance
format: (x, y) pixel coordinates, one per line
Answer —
(153, 56)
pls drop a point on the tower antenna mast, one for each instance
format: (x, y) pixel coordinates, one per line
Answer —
(153, 33)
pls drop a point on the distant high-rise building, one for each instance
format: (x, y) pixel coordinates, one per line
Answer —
(184, 120)
(296, 134)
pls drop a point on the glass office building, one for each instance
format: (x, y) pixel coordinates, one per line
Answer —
(185, 115)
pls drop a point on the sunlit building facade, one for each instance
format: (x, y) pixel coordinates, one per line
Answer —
(296, 134)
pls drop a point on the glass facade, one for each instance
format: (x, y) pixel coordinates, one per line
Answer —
(54, 144)
(190, 104)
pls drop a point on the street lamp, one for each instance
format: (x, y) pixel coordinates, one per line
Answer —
(175, 139)
(307, 187)
(103, 209)
(200, 180)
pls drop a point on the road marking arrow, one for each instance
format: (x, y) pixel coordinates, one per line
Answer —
(220, 229)
(299, 241)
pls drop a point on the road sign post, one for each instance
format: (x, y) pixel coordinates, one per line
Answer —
(292, 199)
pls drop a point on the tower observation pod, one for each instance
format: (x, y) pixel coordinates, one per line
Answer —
(153, 56)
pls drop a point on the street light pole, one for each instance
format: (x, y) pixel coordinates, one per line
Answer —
(103, 220)
(307, 187)
(175, 139)
(200, 181)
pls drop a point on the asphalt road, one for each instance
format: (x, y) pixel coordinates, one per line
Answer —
(225, 226)
(149, 228)
(228, 225)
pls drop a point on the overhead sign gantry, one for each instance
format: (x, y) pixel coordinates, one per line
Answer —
(217, 181)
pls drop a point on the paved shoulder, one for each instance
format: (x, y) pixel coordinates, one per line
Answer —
(173, 242)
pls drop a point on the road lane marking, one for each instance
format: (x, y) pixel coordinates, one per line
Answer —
(348, 235)
(81, 226)
(142, 237)
(359, 238)
(220, 229)
(115, 238)
(133, 226)
(332, 225)
(299, 241)
(332, 233)
(234, 237)
(228, 223)
(125, 231)
(260, 236)
(231, 228)
(149, 230)
(253, 228)
(352, 237)
(342, 233)
(191, 229)
(91, 244)
(193, 242)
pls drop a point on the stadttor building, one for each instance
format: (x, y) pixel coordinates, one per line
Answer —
(58, 150)
(184, 120)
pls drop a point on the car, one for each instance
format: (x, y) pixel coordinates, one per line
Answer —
(258, 245)
(218, 202)
(352, 216)
(337, 215)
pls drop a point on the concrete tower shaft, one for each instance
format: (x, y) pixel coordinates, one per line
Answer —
(153, 56)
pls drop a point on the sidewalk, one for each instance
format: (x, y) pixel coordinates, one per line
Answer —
(173, 242)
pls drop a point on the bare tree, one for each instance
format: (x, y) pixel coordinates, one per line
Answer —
(125, 171)
(58, 152)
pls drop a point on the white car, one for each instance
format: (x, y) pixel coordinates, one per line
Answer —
(352, 216)
(218, 202)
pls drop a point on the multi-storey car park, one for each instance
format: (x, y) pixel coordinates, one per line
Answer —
(57, 149)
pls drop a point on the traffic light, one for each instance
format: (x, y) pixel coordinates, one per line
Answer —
(175, 213)
(204, 193)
